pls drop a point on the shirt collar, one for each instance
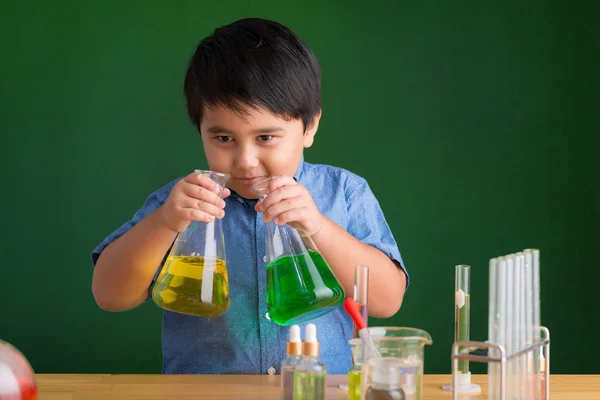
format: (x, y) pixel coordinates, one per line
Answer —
(300, 169)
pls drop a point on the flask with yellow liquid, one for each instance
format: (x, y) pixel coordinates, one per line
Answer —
(193, 279)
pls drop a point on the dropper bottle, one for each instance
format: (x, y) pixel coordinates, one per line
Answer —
(310, 374)
(294, 355)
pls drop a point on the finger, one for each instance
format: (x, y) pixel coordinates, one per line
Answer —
(280, 194)
(202, 193)
(202, 205)
(194, 214)
(280, 181)
(281, 207)
(292, 215)
(204, 181)
(226, 193)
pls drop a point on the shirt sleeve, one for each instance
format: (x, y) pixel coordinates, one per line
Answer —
(367, 223)
(153, 201)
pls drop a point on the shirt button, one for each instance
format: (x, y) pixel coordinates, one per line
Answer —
(267, 316)
(271, 371)
(264, 258)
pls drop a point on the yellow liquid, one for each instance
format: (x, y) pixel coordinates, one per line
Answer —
(194, 286)
(354, 385)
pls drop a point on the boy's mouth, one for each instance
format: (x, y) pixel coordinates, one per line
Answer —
(249, 181)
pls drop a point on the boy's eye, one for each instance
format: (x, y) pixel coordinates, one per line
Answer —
(265, 138)
(224, 139)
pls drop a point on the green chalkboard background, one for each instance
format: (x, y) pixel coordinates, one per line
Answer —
(476, 125)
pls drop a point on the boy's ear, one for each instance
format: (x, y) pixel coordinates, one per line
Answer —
(311, 131)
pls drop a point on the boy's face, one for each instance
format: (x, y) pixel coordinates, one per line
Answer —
(253, 145)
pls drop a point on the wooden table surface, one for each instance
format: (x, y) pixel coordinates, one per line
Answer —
(247, 387)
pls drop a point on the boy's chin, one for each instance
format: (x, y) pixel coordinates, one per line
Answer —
(243, 191)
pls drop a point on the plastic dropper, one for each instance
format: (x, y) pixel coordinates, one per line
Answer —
(352, 308)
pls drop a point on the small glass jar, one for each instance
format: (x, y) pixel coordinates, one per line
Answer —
(354, 373)
(17, 381)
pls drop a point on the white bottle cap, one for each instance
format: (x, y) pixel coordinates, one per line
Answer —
(294, 345)
(295, 334)
(387, 372)
(310, 346)
(311, 333)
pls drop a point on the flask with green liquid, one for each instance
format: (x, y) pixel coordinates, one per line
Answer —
(193, 279)
(300, 284)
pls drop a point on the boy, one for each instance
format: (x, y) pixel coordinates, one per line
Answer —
(253, 90)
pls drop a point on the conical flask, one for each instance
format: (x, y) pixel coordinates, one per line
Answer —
(193, 279)
(300, 284)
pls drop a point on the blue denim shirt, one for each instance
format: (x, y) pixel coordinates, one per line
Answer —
(245, 340)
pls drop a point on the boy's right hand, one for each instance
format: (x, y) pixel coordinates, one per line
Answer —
(195, 197)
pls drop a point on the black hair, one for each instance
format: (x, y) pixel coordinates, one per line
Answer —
(258, 63)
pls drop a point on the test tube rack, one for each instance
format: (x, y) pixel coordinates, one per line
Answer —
(471, 351)
(517, 350)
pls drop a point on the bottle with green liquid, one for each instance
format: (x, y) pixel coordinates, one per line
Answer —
(300, 284)
(310, 374)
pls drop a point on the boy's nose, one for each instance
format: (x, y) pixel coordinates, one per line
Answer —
(247, 159)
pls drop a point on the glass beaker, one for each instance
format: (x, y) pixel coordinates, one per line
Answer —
(300, 284)
(405, 346)
(193, 279)
(17, 381)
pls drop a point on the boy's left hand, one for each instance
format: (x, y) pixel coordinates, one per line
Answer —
(288, 202)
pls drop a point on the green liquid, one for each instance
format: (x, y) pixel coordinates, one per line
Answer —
(301, 288)
(354, 385)
(309, 386)
(462, 330)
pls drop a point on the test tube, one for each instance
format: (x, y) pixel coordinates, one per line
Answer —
(361, 293)
(493, 323)
(538, 354)
(510, 321)
(502, 309)
(529, 367)
(519, 322)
